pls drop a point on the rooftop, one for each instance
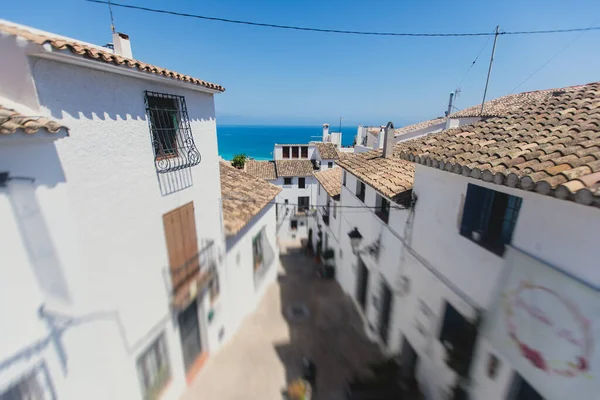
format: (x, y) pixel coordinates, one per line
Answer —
(98, 54)
(420, 125)
(327, 150)
(261, 169)
(288, 168)
(331, 180)
(11, 121)
(244, 196)
(389, 176)
(550, 145)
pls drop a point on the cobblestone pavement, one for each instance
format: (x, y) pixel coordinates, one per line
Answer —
(267, 350)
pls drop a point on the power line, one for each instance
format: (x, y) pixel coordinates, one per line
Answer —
(314, 205)
(338, 31)
(474, 61)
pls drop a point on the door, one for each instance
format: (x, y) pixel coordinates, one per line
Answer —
(362, 284)
(189, 331)
(385, 311)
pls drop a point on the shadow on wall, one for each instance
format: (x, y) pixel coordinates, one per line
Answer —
(173, 182)
(323, 326)
(102, 95)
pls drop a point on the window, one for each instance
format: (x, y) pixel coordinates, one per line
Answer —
(35, 385)
(287, 181)
(458, 336)
(294, 224)
(383, 208)
(295, 152)
(334, 209)
(344, 178)
(303, 203)
(286, 151)
(153, 369)
(172, 140)
(257, 252)
(301, 183)
(330, 164)
(318, 190)
(304, 152)
(360, 190)
(489, 217)
(286, 201)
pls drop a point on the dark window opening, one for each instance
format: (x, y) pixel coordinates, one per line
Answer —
(330, 164)
(294, 224)
(489, 218)
(301, 183)
(286, 151)
(344, 178)
(304, 152)
(287, 181)
(458, 336)
(303, 203)
(153, 368)
(360, 190)
(383, 208)
(295, 152)
(171, 134)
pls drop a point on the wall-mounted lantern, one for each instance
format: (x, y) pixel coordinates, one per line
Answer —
(355, 240)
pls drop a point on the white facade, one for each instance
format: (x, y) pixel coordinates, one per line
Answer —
(245, 285)
(329, 227)
(428, 264)
(92, 219)
(291, 222)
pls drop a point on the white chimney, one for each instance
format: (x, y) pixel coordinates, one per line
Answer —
(122, 45)
(388, 140)
(325, 132)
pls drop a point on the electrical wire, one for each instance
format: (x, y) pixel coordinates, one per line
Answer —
(301, 205)
(337, 31)
(474, 61)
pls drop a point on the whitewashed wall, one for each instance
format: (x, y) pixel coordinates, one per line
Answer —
(291, 193)
(241, 293)
(278, 152)
(325, 164)
(103, 207)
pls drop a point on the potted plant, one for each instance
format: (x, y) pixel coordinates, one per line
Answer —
(238, 161)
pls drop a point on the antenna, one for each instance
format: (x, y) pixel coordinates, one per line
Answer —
(112, 20)
(490, 69)
(340, 124)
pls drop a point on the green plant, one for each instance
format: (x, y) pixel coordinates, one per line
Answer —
(238, 161)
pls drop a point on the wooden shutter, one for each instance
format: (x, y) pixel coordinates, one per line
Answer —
(180, 234)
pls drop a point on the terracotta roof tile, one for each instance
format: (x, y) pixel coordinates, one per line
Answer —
(105, 56)
(420, 125)
(331, 180)
(327, 150)
(550, 144)
(287, 168)
(261, 169)
(243, 197)
(389, 176)
(11, 121)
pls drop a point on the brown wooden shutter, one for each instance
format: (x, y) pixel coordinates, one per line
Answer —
(180, 234)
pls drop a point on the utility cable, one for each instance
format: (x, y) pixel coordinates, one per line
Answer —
(247, 200)
(338, 31)
(473, 63)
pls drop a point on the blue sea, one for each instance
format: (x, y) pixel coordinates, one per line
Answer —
(257, 141)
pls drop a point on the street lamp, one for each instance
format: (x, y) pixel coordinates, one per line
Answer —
(355, 239)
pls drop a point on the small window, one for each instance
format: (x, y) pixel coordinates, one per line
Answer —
(294, 224)
(304, 152)
(295, 152)
(286, 151)
(489, 217)
(257, 251)
(334, 209)
(330, 164)
(303, 203)
(164, 122)
(301, 183)
(287, 181)
(360, 190)
(383, 208)
(153, 368)
(344, 178)
(286, 201)
(319, 189)
(458, 336)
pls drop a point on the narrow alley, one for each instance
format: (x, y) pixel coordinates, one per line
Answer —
(300, 315)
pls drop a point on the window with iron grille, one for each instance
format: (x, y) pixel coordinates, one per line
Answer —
(153, 369)
(489, 218)
(170, 131)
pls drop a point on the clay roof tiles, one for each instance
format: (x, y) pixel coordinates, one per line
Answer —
(550, 145)
(327, 150)
(244, 196)
(11, 121)
(331, 180)
(289, 168)
(106, 56)
(261, 169)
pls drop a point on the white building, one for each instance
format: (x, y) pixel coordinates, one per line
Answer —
(476, 263)
(251, 238)
(112, 241)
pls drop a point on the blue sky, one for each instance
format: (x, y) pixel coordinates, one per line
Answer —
(279, 76)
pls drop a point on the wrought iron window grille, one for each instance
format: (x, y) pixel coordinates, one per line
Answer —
(170, 132)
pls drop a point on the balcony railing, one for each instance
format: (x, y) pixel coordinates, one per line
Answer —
(193, 276)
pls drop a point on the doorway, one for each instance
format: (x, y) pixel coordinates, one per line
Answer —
(362, 284)
(408, 359)
(189, 331)
(386, 302)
